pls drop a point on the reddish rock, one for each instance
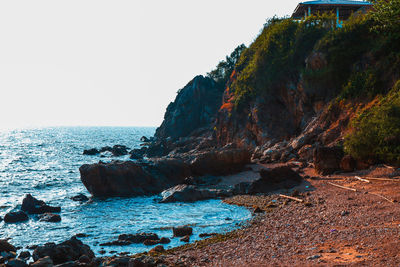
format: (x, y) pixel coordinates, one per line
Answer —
(182, 231)
(348, 164)
(327, 159)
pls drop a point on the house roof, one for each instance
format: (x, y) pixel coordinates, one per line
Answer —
(325, 5)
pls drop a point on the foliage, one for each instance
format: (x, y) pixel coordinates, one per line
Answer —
(375, 132)
(225, 67)
(277, 55)
(386, 14)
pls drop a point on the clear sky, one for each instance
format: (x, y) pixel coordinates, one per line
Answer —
(77, 62)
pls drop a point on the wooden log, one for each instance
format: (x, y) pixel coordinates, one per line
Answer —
(292, 198)
(343, 187)
(383, 179)
(361, 179)
(385, 198)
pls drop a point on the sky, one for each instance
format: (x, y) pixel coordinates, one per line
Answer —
(114, 63)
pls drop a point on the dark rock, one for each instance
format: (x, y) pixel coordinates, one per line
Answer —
(80, 235)
(84, 259)
(195, 107)
(8, 255)
(16, 263)
(91, 152)
(32, 247)
(327, 159)
(348, 164)
(139, 237)
(80, 197)
(119, 261)
(24, 255)
(5, 246)
(150, 242)
(137, 153)
(49, 217)
(15, 216)
(220, 162)
(119, 150)
(158, 249)
(105, 149)
(43, 262)
(186, 238)
(187, 193)
(69, 250)
(182, 231)
(116, 243)
(257, 210)
(32, 205)
(165, 240)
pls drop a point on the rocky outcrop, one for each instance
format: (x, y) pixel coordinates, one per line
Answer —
(194, 108)
(66, 251)
(145, 178)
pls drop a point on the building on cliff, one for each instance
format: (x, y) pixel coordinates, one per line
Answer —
(342, 8)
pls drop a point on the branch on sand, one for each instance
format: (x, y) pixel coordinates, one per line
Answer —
(343, 187)
(292, 198)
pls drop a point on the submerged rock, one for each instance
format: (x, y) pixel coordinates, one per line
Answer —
(128, 239)
(32, 205)
(49, 217)
(80, 198)
(15, 216)
(69, 250)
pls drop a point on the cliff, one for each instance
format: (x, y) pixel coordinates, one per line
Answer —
(194, 109)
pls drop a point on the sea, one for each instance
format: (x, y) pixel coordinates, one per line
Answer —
(45, 163)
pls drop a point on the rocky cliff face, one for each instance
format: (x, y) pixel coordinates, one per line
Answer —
(194, 109)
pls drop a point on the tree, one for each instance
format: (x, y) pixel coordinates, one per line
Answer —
(225, 67)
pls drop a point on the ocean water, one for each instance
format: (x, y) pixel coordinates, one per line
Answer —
(45, 162)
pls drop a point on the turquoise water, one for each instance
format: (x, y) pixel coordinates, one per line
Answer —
(45, 163)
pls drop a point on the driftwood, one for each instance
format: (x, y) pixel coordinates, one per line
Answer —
(385, 198)
(384, 179)
(343, 187)
(292, 198)
(361, 179)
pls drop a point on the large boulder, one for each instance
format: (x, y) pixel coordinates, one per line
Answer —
(32, 205)
(70, 250)
(133, 179)
(270, 180)
(195, 107)
(187, 193)
(327, 159)
(220, 162)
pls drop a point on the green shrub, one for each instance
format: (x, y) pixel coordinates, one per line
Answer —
(376, 132)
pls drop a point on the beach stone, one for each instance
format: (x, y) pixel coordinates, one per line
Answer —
(16, 263)
(149, 242)
(182, 231)
(80, 197)
(32, 205)
(15, 216)
(50, 217)
(187, 193)
(69, 250)
(43, 262)
(158, 249)
(6, 246)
